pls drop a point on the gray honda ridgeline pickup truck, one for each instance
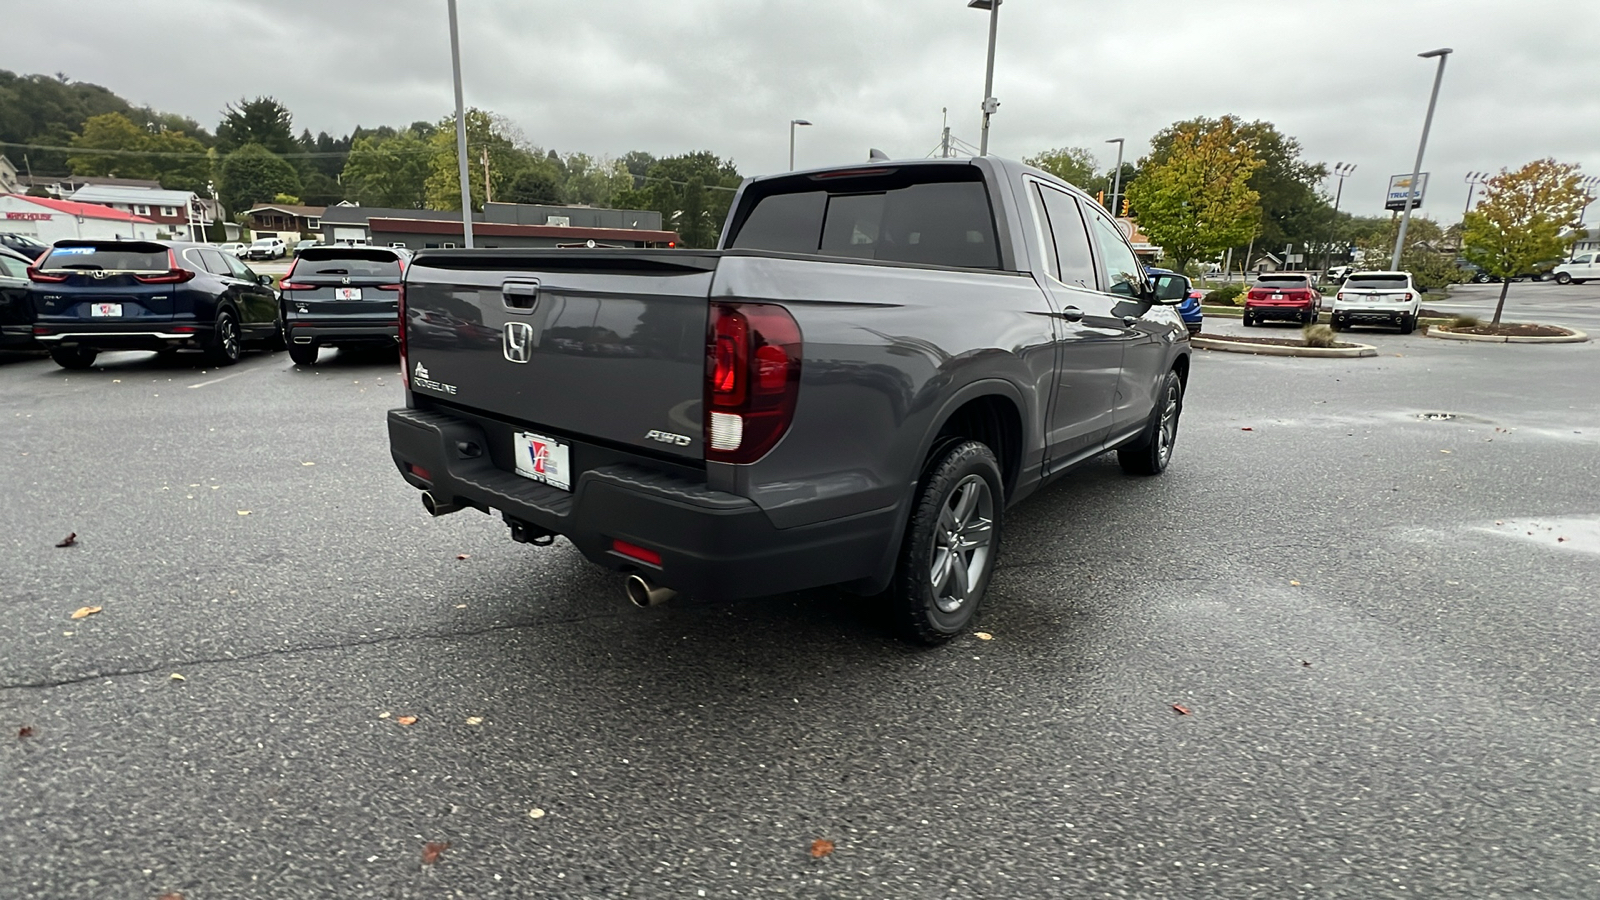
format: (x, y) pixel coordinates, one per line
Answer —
(851, 390)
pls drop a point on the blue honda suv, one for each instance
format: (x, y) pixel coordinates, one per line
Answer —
(89, 296)
(1189, 309)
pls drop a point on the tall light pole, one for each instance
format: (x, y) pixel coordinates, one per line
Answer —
(1412, 198)
(1116, 178)
(461, 130)
(1341, 171)
(1473, 180)
(990, 104)
(792, 124)
(1589, 185)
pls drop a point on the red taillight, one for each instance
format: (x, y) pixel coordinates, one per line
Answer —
(388, 287)
(752, 379)
(1257, 295)
(47, 277)
(184, 329)
(633, 551)
(287, 285)
(171, 276)
(1339, 296)
(1408, 295)
(419, 471)
(405, 372)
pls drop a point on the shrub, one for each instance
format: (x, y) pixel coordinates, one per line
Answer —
(1465, 322)
(1225, 295)
(1318, 336)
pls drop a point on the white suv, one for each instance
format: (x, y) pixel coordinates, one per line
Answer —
(267, 248)
(1377, 298)
(1584, 267)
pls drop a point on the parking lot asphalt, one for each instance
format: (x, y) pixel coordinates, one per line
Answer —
(1370, 584)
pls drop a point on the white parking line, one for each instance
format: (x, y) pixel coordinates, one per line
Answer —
(215, 380)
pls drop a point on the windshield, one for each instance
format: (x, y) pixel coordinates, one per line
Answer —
(1376, 282)
(109, 258)
(348, 262)
(262, 242)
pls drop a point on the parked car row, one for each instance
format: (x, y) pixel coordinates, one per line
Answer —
(82, 297)
(1364, 298)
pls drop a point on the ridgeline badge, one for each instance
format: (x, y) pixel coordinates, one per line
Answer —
(420, 379)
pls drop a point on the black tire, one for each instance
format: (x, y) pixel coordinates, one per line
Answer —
(1481, 278)
(74, 357)
(304, 354)
(225, 345)
(1408, 324)
(950, 544)
(279, 341)
(1150, 454)
(1337, 324)
(1309, 318)
(1563, 278)
(1249, 320)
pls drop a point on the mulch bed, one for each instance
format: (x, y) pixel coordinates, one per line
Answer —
(1281, 342)
(1511, 329)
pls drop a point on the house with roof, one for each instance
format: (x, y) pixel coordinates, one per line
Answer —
(47, 220)
(9, 183)
(182, 215)
(63, 186)
(287, 221)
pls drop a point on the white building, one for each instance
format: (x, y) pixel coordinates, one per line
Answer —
(48, 220)
(9, 184)
(184, 215)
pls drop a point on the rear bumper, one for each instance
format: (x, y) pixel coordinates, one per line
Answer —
(1271, 311)
(130, 336)
(713, 544)
(327, 333)
(17, 337)
(1389, 316)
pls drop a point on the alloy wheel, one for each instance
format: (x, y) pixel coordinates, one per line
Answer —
(961, 543)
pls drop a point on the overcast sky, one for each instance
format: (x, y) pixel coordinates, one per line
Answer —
(608, 76)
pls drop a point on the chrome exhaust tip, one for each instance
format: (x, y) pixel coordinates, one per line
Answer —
(642, 592)
(435, 507)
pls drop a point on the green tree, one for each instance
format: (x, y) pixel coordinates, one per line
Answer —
(1196, 200)
(390, 172)
(1524, 221)
(534, 185)
(1293, 211)
(593, 182)
(181, 162)
(262, 121)
(485, 132)
(692, 192)
(116, 133)
(1074, 165)
(253, 174)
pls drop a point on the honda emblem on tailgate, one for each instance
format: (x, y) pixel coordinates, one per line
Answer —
(518, 341)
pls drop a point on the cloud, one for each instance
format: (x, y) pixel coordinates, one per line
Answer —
(608, 76)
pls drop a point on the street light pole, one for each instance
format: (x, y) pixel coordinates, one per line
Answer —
(1589, 186)
(990, 104)
(792, 124)
(1341, 171)
(1116, 175)
(1473, 180)
(461, 130)
(1412, 198)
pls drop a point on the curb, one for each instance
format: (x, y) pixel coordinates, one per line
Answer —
(1228, 346)
(1576, 337)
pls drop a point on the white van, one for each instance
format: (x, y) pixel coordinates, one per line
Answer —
(1584, 267)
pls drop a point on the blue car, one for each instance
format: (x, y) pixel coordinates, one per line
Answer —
(1189, 309)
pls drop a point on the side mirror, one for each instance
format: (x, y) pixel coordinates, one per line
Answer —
(264, 280)
(1422, 290)
(1169, 289)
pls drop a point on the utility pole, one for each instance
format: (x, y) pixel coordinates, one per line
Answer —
(488, 189)
(944, 140)
(1413, 196)
(1341, 171)
(461, 130)
(1116, 182)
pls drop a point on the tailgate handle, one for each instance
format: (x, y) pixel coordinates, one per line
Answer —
(520, 296)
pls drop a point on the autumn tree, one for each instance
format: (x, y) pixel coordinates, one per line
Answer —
(1196, 200)
(390, 171)
(128, 149)
(1524, 220)
(486, 132)
(1074, 165)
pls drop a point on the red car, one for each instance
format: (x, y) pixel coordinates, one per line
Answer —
(1289, 298)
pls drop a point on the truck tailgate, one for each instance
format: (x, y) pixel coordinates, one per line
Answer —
(603, 345)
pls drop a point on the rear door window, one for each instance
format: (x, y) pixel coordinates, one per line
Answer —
(1074, 259)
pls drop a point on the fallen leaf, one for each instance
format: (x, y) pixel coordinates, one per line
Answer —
(1560, 540)
(462, 556)
(82, 611)
(1180, 709)
(983, 636)
(176, 677)
(171, 896)
(244, 512)
(431, 851)
(1446, 451)
(406, 720)
(1304, 663)
(1293, 583)
(308, 464)
(384, 714)
(1498, 522)
(821, 848)
(69, 540)
(1247, 429)
(25, 731)
(475, 720)
(536, 813)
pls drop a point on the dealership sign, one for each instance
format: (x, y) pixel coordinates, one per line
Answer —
(1400, 191)
(29, 217)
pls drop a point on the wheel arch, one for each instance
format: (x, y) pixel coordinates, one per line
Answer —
(990, 411)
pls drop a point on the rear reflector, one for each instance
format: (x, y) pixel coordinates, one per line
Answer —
(633, 551)
(419, 471)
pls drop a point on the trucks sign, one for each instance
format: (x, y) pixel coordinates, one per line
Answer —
(1400, 190)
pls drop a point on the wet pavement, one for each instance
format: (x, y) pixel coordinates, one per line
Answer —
(1391, 689)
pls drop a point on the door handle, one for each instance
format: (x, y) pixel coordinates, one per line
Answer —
(1129, 320)
(1072, 314)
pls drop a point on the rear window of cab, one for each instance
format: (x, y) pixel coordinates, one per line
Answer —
(355, 262)
(1377, 282)
(108, 258)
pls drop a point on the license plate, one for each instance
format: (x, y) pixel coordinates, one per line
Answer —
(1277, 296)
(543, 459)
(99, 310)
(347, 293)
